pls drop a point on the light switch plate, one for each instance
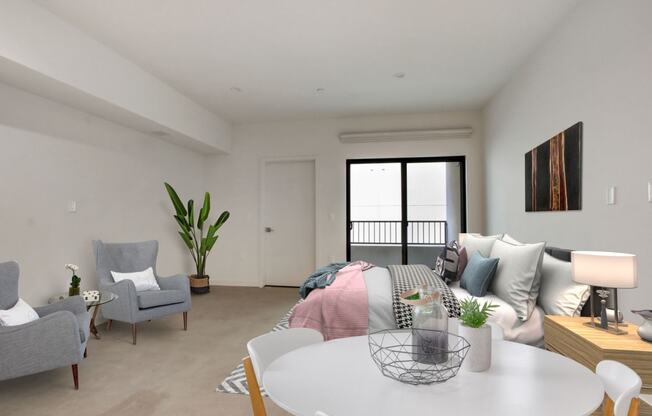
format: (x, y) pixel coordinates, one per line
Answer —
(72, 206)
(611, 195)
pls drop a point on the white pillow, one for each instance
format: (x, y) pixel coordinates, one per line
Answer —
(559, 295)
(536, 285)
(20, 313)
(479, 243)
(144, 280)
(516, 273)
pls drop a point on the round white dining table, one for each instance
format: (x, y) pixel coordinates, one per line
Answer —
(339, 378)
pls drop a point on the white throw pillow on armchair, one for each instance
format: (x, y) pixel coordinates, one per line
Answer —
(20, 313)
(144, 280)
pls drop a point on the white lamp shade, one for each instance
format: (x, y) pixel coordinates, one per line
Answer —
(604, 269)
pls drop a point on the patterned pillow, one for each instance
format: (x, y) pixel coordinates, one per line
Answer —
(462, 262)
(446, 265)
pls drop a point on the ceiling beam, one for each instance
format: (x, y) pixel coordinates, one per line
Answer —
(43, 54)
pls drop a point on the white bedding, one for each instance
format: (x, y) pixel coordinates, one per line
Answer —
(529, 332)
(381, 312)
(379, 293)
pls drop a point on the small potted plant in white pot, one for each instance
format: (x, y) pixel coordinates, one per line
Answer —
(474, 328)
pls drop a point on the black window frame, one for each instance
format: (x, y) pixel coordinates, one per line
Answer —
(404, 161)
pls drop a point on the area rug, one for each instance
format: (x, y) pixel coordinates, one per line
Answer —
(236, 382)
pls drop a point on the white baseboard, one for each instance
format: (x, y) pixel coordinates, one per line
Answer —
(237, 284)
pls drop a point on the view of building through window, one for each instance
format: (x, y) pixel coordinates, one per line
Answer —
(433, 209)
(376, 191)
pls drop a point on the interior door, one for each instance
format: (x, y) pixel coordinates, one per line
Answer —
(289, 222)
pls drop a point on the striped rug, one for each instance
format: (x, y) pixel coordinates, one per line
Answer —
(236, 382)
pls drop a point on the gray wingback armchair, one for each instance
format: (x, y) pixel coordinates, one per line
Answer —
(132, 306)
(57, 339)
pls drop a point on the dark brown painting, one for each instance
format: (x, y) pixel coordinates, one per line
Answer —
(553, 173)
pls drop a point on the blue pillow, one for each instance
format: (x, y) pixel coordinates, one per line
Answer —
(478, 274)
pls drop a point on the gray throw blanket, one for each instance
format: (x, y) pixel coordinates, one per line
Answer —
(411, 276)
(320, 279)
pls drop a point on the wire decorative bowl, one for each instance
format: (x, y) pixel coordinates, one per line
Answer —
(418, 356)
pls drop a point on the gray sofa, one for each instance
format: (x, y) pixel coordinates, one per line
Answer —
(57, 339)
(132, 306)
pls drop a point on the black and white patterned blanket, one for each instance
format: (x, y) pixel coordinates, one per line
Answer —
(411, 276)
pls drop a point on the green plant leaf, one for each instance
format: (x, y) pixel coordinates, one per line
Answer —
(204, 211)
(182, 223)
(211, 243)
(186, 239)
(191, 213)
(473, 315)
(176, 201)
(221, 220)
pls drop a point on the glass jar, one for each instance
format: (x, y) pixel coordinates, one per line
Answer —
(429, 328)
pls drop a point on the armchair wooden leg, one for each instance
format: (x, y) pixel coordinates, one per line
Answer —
(75, 376)
(85, 352)
(108, 324)
(185, 321)
(133, 333)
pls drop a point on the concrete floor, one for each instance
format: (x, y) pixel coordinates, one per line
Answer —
(169, 372)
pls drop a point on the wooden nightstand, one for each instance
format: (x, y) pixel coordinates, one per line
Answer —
(570, 337)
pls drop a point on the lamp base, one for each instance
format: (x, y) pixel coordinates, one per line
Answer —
(610, 329)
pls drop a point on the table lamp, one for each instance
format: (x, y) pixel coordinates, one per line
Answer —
(605, 270)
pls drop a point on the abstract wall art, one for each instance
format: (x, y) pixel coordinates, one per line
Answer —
(553, 173)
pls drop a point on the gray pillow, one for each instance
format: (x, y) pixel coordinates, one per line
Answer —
(478, 274)
(559, 295)
(478, 243)
(536, 285)
(516, 274)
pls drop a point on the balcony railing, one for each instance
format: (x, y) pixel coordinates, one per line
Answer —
(418, 233)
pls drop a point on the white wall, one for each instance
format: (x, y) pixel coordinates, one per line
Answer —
(596, 67)
(51, 154)
(234, 179)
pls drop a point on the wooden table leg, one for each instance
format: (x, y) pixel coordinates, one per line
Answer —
(93, 328)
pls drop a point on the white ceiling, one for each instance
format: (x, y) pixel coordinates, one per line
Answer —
(455, 53)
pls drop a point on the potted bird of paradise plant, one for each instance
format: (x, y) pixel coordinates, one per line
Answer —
(198, 238)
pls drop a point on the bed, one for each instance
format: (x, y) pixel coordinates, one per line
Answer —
(365, 299)
(381, 315)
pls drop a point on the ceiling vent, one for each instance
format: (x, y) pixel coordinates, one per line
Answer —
(406, 135)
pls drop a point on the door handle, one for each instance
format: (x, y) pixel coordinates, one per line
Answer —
(268, 229)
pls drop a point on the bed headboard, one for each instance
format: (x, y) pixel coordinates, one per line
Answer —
(565, 255)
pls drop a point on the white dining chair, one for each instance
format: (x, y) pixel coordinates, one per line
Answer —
(264, 349)
(622, 387)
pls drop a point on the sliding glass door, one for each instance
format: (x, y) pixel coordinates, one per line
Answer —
(404, 211)
(375, 213)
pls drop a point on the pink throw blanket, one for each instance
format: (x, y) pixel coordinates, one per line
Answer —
(339, 310)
